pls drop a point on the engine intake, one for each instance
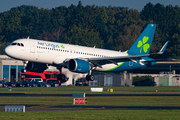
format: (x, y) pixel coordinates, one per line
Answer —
(78, 65)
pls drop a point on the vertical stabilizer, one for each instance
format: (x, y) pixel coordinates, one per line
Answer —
(143, 44)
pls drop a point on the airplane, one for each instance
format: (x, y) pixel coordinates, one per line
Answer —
(38, 55)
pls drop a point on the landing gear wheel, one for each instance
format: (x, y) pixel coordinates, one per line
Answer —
(61, 77)
(90, 77)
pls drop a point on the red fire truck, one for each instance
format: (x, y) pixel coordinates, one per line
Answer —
(46, 76)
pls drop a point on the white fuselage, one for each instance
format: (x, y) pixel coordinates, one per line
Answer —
(56, 53)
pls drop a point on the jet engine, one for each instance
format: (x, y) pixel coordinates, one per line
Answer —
(35, 67)
(78, 65)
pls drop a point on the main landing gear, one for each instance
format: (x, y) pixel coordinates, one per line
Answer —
(90, 77)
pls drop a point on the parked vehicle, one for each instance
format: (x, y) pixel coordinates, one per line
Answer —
(32, 84)
(147, 83)
(13, 84)
(8, 84)
(47, 85)
(1, 83)
(37, 80)
(81, 82)
(19, 84)
(46, 76)
(54, 84)
(40, 84)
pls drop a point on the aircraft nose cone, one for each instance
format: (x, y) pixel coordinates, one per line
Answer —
(5, 50)
(8, 51)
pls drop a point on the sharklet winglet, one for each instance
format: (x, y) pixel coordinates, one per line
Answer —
(163, 48)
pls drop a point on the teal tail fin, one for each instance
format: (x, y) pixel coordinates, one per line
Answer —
(143, 44)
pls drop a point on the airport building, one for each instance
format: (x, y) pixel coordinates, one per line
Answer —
(10, 69)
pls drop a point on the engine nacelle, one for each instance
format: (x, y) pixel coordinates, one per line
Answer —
(35, 67)
(78, 65)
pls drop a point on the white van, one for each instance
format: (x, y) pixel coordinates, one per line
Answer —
(36, 80)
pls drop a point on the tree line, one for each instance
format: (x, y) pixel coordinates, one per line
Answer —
(114, 28)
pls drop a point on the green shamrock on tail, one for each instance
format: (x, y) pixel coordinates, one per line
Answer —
(143, 44)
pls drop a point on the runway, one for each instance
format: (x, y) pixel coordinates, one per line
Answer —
(90, 107)
(70, 95)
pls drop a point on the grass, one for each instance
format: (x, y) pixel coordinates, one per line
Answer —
(98, 101)
(46, 102)
(86, 89)
(95, 115)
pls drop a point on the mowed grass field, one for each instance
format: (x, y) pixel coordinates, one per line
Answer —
(47, 102)
(86, 89)
(95, 115)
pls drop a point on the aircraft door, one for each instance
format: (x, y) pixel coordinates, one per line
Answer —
(32, 47)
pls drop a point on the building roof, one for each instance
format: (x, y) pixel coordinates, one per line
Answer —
(4, 57)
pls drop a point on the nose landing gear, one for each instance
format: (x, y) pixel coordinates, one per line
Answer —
(61, 77)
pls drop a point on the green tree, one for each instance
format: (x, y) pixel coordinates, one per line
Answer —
(84, 37)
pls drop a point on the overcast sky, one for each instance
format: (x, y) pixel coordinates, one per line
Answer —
(6, 5)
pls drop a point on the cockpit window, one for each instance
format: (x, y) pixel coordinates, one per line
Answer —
(18, 44)
(22, 45)
(13, 43)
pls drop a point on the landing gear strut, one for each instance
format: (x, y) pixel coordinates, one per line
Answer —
(61, 76)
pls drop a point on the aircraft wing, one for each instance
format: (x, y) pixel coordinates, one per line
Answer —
(107, 60)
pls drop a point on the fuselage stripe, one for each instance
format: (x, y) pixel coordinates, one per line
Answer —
(114, 67)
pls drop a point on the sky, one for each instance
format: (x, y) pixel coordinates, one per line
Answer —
(6, 5)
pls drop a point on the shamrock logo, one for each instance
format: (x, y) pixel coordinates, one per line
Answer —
(62, 46)
(143, 44)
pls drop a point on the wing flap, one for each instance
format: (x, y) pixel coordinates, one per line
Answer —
(115, 60)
